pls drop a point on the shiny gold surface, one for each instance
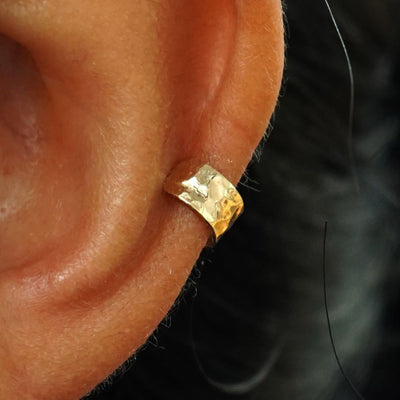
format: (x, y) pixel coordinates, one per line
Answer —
(209, 193)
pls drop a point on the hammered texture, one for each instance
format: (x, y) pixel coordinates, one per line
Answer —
(210, 194)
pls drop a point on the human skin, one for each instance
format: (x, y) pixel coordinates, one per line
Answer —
(97, 106)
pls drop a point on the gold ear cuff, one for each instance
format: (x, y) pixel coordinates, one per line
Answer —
(207, 192)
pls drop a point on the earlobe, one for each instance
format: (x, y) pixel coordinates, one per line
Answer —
(132, 89)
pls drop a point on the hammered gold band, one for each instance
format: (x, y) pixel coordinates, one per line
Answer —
(207, 192)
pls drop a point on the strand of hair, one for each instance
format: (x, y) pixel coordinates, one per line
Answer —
(328, 320)
(350, 148)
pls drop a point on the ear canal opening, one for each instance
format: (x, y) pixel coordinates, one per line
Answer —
(22, 95)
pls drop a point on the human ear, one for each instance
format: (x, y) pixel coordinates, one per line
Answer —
(98, 105)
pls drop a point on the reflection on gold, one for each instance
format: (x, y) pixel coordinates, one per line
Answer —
(212, 196)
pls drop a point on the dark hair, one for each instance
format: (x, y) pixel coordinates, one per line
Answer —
(253, 326)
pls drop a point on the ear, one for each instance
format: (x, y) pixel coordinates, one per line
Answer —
(97, 106)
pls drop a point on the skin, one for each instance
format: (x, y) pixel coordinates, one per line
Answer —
(97, 106)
